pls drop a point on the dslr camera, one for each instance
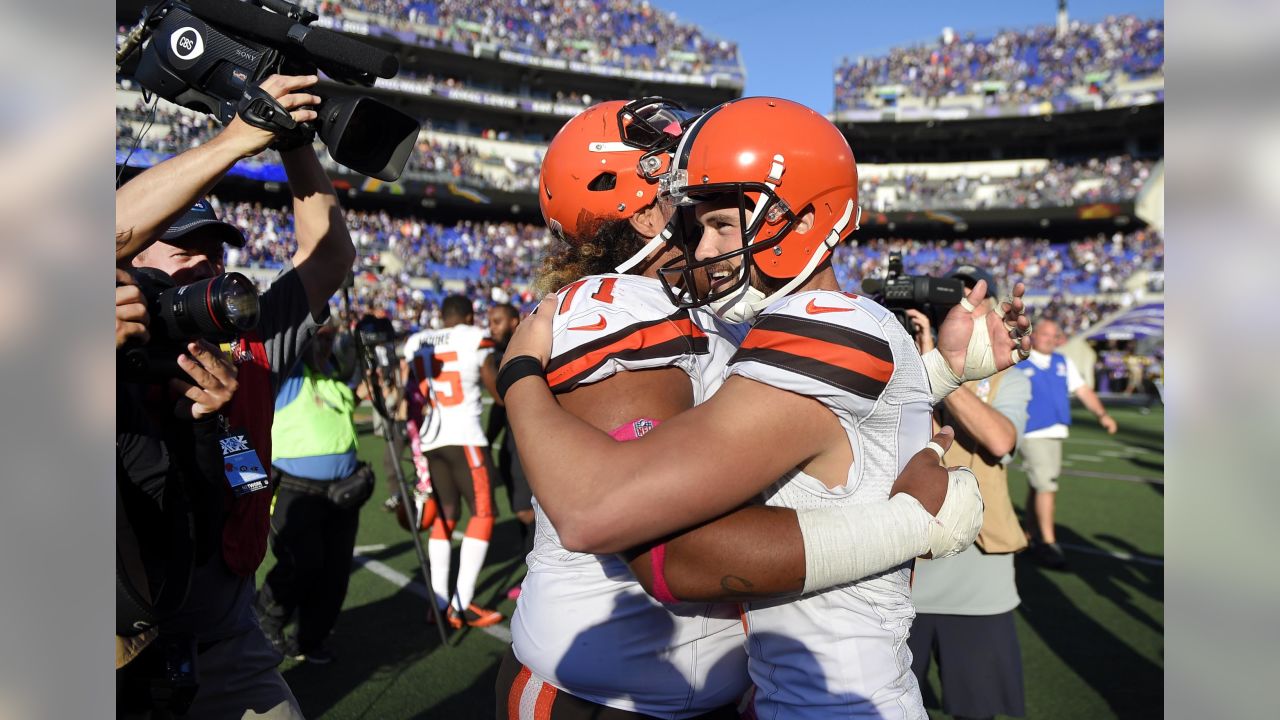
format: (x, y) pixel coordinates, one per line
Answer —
(218, 309)
(900, 292)
(210, 55)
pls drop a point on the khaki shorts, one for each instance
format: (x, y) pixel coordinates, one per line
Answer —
(1042, 459)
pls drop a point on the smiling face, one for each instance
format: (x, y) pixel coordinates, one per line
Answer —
(721, 234)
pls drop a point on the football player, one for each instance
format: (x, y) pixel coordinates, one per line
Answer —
(451, 452)
(586, 637)
(826, 392)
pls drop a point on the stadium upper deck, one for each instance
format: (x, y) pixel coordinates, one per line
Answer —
(1117, 62)
(614, 38)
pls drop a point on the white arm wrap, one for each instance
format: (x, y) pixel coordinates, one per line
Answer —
(844, 544)
(960, 517)
(942, 379)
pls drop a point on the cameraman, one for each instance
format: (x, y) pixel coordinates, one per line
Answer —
(162, 222)
(965, 603)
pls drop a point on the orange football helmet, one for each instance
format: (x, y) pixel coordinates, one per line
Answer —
(780, 160)
(605, 163)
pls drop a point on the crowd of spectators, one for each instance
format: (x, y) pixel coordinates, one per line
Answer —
(1056, 274)
(618, 33)
(1033, 64)
(1114, 179)
(175, 130)
(407, 262)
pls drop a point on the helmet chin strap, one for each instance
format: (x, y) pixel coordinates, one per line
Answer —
(651, 247)
(748, 305)
(736, 307)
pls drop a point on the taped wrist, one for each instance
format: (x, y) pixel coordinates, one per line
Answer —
(942, 379)
(844, 544)
(960, 517)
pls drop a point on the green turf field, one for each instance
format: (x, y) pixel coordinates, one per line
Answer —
(1092, 638)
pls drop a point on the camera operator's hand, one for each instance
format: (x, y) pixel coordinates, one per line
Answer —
(978, 341)
(923, 330)
(249, 140)
(215, 378)
(131, 310)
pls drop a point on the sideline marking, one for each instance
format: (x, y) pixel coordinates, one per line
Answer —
(1117, 554)
(400, 580)
(1147, 479)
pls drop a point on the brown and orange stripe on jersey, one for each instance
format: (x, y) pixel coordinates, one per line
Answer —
(666, 337)
(842, 357)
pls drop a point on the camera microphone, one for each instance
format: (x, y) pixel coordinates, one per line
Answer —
(274, 28)
(872, 286)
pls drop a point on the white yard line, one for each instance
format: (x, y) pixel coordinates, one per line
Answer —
(1117, 554)
(400, 580)
(1115, 476)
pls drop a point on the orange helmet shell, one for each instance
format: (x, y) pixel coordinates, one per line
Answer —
(749, 141)
(590, 175)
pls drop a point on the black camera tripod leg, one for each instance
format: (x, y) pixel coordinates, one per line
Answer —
(369, 358)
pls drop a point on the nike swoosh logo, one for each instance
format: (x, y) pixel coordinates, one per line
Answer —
(815, 309)
(597, 325)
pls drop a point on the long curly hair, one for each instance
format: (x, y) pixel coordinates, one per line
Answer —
(610, 243)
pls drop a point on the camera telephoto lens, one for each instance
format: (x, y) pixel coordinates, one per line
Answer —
(239, 301)
(216, 308)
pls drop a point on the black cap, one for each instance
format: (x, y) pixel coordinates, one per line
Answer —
(973, 274)
(202, 215)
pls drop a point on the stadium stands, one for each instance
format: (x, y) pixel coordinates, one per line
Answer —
(640, 37)
(491, 163)
(1115, 265)
(440, 156)
(1001, 184)
(1119, 56)
(410, 262)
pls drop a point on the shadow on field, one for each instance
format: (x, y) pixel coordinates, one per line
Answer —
(378, 640)
(477, 701)
(1131, 684)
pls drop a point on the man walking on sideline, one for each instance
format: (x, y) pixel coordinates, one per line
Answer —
(1054, 379)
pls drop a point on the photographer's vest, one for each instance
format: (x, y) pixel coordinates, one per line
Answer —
(1050, 402)
(244, 533)
(314, 434)
(1001, 532)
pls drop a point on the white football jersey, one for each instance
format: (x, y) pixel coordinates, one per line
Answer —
(842, 652)
(445, 365)
(582, 622)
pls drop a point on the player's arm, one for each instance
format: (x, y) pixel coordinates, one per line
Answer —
(759, 551)
(604, 496)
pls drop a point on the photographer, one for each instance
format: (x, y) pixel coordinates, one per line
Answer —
(168, 486)
(163, 223)
(965, 603)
